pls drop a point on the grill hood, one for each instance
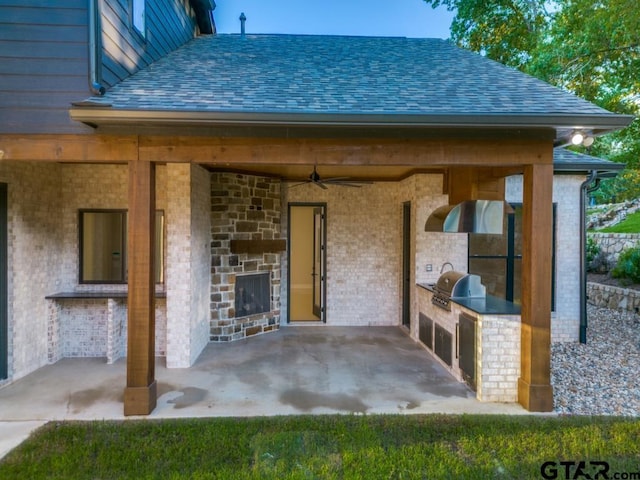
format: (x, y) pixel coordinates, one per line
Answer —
(454, 284)
(471, 216)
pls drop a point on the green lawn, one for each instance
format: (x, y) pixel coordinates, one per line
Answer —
(330, 446)
(631, 224)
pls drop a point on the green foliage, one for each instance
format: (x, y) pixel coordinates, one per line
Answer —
(589, 48)
(597, 260)
(625, 186)
(504, 30)
(628, 266)
(326, 446)
(593, 250)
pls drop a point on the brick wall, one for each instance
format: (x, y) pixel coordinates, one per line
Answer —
(434, 248)
(188, 260)
(498, 358)
(565, 319)
(100, 187)
(85, 328)
(34, 236)
(200, 260)
(364, 246)
(243, 207)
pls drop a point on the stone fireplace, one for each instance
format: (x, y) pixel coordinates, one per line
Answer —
(246, 252)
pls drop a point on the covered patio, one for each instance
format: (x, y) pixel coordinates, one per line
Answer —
(302, 370)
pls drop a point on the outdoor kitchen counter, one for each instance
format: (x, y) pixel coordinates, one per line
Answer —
(489, 305)
(477, 341)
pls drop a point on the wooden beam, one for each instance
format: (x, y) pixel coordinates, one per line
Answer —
(234, 152)
(474, 183)
(238, 152)
(140, 395)
(257, 246)
(70, 148)
(534, 385)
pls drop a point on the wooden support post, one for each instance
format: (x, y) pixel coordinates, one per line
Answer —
(534, 385)
(141, 394)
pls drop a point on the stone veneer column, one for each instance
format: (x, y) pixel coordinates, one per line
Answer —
(243, 207)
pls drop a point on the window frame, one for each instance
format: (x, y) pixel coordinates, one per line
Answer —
(159, 239)
(511, 256)
(81, 246)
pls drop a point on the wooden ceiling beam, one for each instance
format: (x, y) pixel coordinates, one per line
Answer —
(230, 152)
(370, 152)
(70, 148)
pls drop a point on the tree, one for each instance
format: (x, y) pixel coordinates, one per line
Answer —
(504, 30)
(588, 47)
(592, 48)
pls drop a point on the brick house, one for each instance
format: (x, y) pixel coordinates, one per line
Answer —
(153, 173)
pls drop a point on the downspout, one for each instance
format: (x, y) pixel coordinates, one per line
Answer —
(95, 47)
(584, 189)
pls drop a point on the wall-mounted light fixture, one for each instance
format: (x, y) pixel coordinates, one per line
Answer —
(580, 137)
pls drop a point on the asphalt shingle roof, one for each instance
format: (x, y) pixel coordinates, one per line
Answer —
(568, 161)
(335, 74)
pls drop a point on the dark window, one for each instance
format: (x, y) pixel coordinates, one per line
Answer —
(498, 258)
(103, 246)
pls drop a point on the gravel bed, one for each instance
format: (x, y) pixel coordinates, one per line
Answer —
(603, 376)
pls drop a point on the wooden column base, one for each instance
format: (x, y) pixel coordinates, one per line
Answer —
(535, 398)
(140, 400)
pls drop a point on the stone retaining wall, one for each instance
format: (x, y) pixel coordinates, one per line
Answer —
(611, 244)
(612, 297)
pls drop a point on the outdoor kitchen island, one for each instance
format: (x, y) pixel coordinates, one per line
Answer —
(476, 338)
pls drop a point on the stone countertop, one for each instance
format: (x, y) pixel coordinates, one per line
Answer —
(487, 305)
(96, 294)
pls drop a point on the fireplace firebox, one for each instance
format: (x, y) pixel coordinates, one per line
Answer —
(252, 294)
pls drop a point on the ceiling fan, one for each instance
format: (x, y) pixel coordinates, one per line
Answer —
(315, 178)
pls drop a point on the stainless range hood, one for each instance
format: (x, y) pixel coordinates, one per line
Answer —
(471, 216)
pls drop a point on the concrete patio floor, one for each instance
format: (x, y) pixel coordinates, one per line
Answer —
(299, 370)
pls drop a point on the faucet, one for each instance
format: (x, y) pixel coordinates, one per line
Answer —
(444, 265)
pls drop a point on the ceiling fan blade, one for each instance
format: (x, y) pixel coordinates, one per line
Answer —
(351, 183)
(315, 178)
(346, 184)
(298, 184)
(334, 179)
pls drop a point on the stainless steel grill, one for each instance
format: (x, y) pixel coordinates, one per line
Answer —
(454, 284)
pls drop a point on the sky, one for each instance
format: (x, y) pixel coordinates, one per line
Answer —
(403, 18)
